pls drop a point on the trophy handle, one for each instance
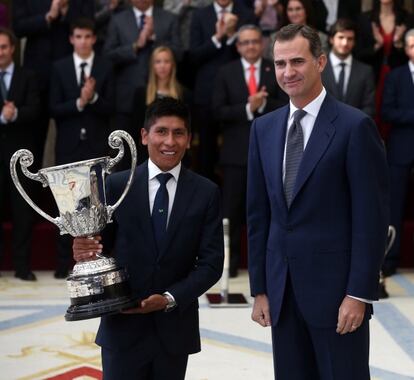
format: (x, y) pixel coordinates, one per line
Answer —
(25, 157)
(391, 237)
(115, 141)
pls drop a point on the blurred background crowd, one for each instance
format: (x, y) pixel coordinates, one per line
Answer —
(71, 71)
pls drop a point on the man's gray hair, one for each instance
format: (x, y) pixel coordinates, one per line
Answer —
(249, 27)
(410, 33)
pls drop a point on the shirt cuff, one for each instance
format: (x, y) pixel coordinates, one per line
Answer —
(78, 106)
(263, 106)
(249, 113)
(94, 99)
(216, 42)
(360, 299)
(3, 120)
(231, 40)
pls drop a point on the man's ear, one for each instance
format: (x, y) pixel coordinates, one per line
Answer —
(144, 136)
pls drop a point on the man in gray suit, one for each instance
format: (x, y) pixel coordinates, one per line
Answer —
(132, 35)
(344, 77)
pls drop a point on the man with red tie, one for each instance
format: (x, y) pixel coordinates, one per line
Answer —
(244, 89)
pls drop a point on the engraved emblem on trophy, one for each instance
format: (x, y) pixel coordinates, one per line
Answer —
(96, 287)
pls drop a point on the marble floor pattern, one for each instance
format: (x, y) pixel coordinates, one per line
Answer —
(36, 342)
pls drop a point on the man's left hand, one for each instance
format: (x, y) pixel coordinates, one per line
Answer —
(155, 302)
(350, 316)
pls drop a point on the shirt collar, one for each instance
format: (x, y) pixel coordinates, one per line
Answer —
(9, 69)
(411, 67)
(311, 108)
(138, 13)
(246, 65)
(154, 170)
(218, 9)
(78, 60)
(335, 60)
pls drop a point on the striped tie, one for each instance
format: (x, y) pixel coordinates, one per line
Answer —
(294, 152)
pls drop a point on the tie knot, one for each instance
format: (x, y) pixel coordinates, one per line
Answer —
(163, 178)
(83, 64)
(298, 115)
(342, 64)
(252, 69)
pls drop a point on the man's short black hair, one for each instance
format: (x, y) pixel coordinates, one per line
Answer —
(341, 25)
(9, 33)
(167, 106)
(82, 23)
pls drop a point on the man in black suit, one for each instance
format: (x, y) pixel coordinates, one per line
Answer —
(19, 104)
(45, 25)
(170, 263)
(132, 35)
(344, 77)
(81, 102)
(212, 44)
(244, 89)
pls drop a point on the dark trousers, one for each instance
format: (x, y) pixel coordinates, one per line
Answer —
(399, 176)
(303, 352)
(22, 216)
(234, 205)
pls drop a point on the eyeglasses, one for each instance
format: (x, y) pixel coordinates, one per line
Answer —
(249, 42)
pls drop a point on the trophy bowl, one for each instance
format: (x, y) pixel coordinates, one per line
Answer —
(96, 287)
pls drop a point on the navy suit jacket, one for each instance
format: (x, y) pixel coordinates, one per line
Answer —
(398, 110)
(188, 265)
(332, 238)
(64, 91)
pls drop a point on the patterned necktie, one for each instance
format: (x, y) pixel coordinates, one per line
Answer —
(160, 210)
(294, 152)
(3, 88)
(141, 22)
(341, 81)
(252, 81)
(82, 79)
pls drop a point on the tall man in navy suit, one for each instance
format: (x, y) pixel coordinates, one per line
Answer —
(170, 263)
(317, 201)
(397, 109)
(81, 102)
(244, 89)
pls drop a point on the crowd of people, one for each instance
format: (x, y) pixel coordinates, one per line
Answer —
(93, 66)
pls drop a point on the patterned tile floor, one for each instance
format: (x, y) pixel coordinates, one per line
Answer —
(36, 343)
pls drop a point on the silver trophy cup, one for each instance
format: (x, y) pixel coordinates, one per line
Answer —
(96, 287)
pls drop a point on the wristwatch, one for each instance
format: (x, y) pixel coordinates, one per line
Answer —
(171, 305)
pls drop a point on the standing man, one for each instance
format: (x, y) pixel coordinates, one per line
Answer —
(244, 89)
(81, 102)
(317, 208)
(397, 109)
(172, 257)
(344, 77)
(132, 35)
(19, 107)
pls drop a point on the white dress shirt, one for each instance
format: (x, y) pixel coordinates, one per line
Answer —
(411, 67)
(336, 66)
(332, 8)
(138, 14)
(7, 81)
(88, 70)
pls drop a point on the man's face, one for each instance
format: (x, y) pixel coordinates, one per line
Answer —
(250, 45)
(82, 41)
(223, 3)
(167, 141)
(343, 43)
(298, 72)
(409, 48)
(142, 5)
(6, 51)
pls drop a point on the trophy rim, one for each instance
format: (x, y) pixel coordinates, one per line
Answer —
(90, 162)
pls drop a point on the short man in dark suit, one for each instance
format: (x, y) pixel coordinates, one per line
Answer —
(170, 263)
(81, 102)
(397, 109)
(19, 107)
(344, 77)
(212, 45)
(244, 89)
(45, 26)
(131, 37)
(317, 214)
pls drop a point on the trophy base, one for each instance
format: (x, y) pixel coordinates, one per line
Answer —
(99, 309)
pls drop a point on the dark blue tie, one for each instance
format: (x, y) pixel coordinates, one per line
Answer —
(82, 74)
(294, 152)
(3, 89)
(160, 210)
(341, 81)
(141, 22)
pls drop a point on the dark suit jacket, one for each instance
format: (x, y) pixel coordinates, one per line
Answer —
(360, 92)
(64, 91)
(190, 263)
(46, 43)
(332, 238)
(21, 133)
(398, 110)
(206, 58)
(229, 107)
(132, 67)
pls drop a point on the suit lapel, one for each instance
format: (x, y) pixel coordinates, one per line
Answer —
(266, 74)
(240, 86)
(353, 78)
(14, 85)
(319, 140)
(71, 72)
(331, 79)
(131, 25)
